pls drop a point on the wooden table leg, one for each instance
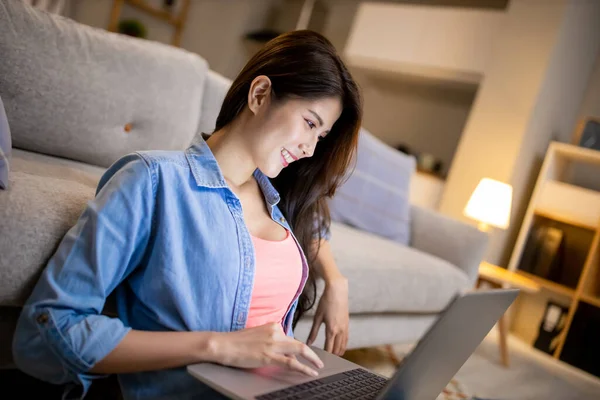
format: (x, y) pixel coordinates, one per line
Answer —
(392, 355)
(502, 328)
(503, 344)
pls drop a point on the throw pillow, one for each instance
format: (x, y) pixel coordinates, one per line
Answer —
(375, 198)
(5, 147)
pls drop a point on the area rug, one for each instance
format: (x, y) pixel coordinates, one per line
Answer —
(383, 361)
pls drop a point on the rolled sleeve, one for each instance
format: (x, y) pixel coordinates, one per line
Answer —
(61, 333)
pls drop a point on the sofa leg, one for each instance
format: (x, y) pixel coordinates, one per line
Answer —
(390, 350)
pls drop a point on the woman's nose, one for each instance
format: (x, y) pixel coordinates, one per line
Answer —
(307, 150)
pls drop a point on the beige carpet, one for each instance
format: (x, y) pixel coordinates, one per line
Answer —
(532, 374)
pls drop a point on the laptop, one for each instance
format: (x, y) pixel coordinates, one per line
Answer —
(422, 375)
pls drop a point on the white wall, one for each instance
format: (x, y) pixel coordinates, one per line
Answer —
(214, 28)
(422, 115)
(531, 94)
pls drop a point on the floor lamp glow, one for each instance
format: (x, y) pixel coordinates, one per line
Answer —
(490, 204)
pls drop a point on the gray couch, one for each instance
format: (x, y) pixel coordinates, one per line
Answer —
(78, 98)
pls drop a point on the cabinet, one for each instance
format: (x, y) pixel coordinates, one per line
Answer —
(567, 263)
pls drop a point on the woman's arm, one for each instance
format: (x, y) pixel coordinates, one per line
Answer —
(247, 348)
(61, 332)
(325, 266)
(149, 351)
(333, 305)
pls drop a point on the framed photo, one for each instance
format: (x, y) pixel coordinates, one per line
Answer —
(587, 133)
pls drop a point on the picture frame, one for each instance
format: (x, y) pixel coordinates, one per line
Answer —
(587, 133)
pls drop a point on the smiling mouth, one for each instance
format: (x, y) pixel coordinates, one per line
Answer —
(287, 157)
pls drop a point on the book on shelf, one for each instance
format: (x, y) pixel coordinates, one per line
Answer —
(543, 251)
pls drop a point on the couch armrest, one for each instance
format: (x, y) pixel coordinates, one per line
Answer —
(454, 241)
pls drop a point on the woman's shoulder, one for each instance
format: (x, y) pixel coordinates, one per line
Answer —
(149, 164)
(164, 158)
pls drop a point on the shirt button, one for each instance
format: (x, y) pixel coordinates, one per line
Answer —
(127, 127)
(42, 318)
(281, 219)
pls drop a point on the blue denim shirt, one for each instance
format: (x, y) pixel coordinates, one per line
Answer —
(167, 235)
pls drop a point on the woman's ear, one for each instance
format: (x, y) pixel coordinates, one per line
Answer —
(259, 93)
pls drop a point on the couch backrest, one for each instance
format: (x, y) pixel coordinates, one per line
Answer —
(215, 89)
(83, 93)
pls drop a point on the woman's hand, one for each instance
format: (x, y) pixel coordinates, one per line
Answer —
(333, 310)
(261, 346)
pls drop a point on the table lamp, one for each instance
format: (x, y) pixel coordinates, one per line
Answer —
(490, 204)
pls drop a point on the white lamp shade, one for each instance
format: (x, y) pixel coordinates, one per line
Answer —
(490, 203)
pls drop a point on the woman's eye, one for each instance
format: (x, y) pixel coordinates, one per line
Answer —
(310, 124)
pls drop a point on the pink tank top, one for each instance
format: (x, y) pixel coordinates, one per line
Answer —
(277, 277)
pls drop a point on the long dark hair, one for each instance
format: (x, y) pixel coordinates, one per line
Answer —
(304, 64)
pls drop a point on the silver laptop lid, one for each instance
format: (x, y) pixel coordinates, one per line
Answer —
(450, 341)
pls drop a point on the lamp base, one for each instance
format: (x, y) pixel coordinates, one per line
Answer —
(483, 227)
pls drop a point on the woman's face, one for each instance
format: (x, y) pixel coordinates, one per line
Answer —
(288, 130)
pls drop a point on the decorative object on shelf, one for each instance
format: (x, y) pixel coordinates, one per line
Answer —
(133, 27)
(587, 133)
(427, 162)
(551, 326)
(490, 204)
(177, 20)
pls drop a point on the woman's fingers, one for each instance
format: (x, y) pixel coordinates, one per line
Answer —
(292, 346)
(337, 344)
(293, 364)
(329, 340)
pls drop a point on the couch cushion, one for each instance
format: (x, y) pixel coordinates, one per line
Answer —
(55, 167)
(375, 198)
(86, 94)
(384, 276)
(36, 212)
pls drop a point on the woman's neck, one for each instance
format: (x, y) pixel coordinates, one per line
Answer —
(232, 155)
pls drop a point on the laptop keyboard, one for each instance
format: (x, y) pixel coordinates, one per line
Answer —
(350, 385)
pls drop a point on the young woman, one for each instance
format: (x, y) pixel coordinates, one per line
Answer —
(208, 251)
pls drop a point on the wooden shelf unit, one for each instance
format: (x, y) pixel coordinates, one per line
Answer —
(593, 300)
(546, 284)
(177, 20)
(554, 198)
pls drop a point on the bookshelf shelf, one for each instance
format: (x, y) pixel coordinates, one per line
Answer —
(554, 287)
(578, 205)
(564, 219)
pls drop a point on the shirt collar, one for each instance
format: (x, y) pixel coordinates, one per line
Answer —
(207, 173)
